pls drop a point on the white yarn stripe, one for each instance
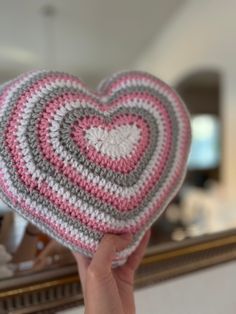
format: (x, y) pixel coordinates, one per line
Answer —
(116, 143)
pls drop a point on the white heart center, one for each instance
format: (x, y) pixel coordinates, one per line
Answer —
(116, 143)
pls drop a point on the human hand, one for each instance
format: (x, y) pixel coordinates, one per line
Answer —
(107, 290)
(54, 252)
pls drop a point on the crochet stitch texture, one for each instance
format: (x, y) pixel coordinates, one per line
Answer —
(79, 163)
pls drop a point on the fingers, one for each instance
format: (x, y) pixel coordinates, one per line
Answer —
(109, 245)
(82, 264)
(102, 259)
(42, 262)
(135, 259)
(82, 260)
(45, 257)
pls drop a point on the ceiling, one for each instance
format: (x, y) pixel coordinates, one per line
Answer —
(89, 38)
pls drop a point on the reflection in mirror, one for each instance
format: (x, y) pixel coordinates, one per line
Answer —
(25, 249)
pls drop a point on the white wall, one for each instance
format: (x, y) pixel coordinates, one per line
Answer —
(202, 35)
(229, 135)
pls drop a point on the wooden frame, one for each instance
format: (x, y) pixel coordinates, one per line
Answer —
(160, 263)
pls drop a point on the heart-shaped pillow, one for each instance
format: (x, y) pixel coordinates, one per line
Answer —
(79, 163)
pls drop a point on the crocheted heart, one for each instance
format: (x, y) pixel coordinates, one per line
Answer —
(79, 163)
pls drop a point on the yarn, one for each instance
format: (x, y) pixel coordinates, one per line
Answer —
(79, 163)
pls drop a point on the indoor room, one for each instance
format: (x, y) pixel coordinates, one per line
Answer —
(116, 118)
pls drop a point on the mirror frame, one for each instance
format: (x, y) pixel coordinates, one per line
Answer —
(161, 262)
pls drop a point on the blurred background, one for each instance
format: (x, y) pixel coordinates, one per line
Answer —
(189, 44)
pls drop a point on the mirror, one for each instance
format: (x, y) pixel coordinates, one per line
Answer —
(171, 42)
